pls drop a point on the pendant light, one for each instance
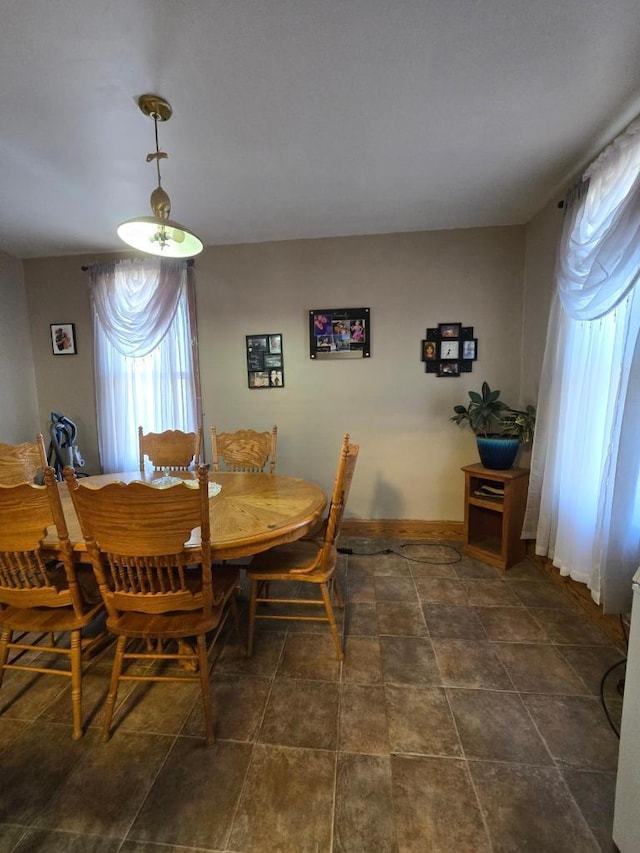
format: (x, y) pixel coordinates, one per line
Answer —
(157, 234)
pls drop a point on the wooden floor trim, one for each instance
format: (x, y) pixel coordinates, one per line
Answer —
(609, 624)
(395, 528)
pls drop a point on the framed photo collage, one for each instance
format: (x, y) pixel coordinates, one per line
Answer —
(449, 350)
(339, 333)
(265, 361)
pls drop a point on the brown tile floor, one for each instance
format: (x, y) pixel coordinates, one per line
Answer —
(465, 717)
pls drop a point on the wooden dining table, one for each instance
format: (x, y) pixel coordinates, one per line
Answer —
(251, 512)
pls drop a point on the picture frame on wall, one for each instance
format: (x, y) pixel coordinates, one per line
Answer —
(63, 338)
(265, 361)
(336, 333)
(449, 349)
(272, 360)
(275, 344)
(449, 368)
(258, 379)
(449, 330)
(470, 350)
(429, 350)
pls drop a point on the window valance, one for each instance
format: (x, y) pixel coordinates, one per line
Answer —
(136, 301)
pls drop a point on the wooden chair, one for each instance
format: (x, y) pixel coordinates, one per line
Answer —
(155, 589)
(244, 450)
(38, 594)
(22, 463)
(310, 561)
(172, 449)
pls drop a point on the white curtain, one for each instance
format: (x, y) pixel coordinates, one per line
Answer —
(584, 494)
(145, 367)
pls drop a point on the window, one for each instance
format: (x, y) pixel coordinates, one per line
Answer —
(584, 508)
(145, 358)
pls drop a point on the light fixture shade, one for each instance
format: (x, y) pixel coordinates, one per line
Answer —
(162, 237)
(157, 234)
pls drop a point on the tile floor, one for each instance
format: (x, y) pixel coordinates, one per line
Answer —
(465, 717)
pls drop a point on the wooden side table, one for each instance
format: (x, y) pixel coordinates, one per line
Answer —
(494, 505)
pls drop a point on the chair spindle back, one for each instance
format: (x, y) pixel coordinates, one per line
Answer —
(20, 463)
(172, 449)
(136, 535)
(244, 450)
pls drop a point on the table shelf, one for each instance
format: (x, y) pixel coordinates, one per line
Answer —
(494, 504)
(493, 523)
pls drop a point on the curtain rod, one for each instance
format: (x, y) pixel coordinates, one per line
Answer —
(190, 263)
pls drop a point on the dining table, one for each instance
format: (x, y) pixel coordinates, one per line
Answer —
(249, 513)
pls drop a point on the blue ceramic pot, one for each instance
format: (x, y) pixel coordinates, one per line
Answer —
(497, 451)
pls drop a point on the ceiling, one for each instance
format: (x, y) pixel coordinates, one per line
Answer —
(302, 118)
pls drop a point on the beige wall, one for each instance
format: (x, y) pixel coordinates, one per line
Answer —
(410, 453)
(18, 410)
(57, 293)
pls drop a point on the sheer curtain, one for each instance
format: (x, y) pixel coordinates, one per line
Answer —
(145, 356)
(584, 495)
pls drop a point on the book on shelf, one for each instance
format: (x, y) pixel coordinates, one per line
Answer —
(488, 491)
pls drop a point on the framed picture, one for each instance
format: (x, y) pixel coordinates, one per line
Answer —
(449, 349)
(276, 379)
(258, 379)
(449, 368)
(339, 333)
(429, 350)
(265, 361)
(272, 360)
(63, 338)
(470, 350)
(275, 343)
(449, 330)
(255, 360)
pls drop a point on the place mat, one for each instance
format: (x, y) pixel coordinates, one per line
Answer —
(214, 488)
(165, 482)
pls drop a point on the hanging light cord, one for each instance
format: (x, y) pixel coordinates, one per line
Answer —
(159, 155)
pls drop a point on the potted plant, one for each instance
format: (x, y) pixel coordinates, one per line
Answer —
(498, 428)
(520, 423)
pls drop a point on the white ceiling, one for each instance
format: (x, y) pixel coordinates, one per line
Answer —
(302, 118)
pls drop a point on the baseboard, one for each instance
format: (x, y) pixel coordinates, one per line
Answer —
(398, 528)
(609, 624)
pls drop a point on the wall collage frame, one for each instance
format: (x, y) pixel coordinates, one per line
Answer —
(336, 333)
(265, 361)
(449, 350)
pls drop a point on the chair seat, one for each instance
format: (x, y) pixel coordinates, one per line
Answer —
(310, 560)
(164, 625)
(46, 620)
(296, 558)
(40, 597)
(181, 623)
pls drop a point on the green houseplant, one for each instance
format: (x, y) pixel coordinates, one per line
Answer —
(498, 428)
(520, 423)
